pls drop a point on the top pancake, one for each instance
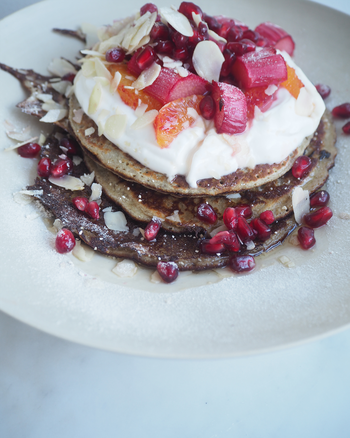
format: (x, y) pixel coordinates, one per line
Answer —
(123, 165)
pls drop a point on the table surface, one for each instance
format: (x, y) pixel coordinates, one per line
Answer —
(53, 388)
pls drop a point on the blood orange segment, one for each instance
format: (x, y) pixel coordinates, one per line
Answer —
(293, 84)
(130, 96)
(174, 117)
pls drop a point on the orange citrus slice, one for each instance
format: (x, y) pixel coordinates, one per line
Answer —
(174, 117)
(293, 84)
(131, 96)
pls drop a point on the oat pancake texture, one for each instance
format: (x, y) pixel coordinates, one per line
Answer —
(179, 214)
(183, 248)
(123, 165)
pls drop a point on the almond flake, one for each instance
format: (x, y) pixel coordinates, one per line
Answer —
(218, 230)
(271, 89)
(196, 18)
(145, 120)
(91, 53)
(24, 197)
(67, 182)
(174, 217)
(145, 40)
(42, 139)
(88, 178)
(177, 20)
(82, 252)
(116, 81)
(95, 98)
(207, 60)
(143, 31)
(96, 192)
(102, 70)
(60, 67)
(54, 115)
(89, 131)
(88, 68)
(115, 126)
(116, 221)
(78, 115)
(141, 109)
(182, 71)
(44, 97)
(301, 203)
(51, 105)
(61, 87)
(286, 262)
(156, 278)
(147, 77)
(125, 268)
(217, 37)
(77, 160)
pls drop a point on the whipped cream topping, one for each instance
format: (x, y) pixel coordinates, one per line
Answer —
(199, 152)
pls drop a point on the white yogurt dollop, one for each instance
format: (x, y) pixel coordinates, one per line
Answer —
(199, 152)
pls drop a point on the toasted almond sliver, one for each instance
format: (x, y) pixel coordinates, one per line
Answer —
(177, 20)
(54, 115)
(145, 120)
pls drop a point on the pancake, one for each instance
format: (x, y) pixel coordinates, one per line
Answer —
(142, 203)
(183, 249)
(122, 164)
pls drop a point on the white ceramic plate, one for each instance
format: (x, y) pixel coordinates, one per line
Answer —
(199, 315)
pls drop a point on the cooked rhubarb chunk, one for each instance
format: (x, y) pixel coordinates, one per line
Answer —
(276, 37)
(231, 108)
(170, 86)
(260, 68)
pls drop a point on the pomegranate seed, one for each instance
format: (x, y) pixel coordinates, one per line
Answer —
(212, 23)
(267, 216)
(228, 239)
(115, 55)
(148, 7)
(71, 146)
(241, 47)
(68, 77)
(318, 218)
(179, 40)
(323, 90)
(251, 35)
(230, 218)
(93, 210)
(168, 271)
(146, 58)
(29, 150)
(195, 38)
(80, 203)
(242, 263)
(206, 213)
(346, 128)
(227, 64)
(263, 231)
(342, 111)
(207, 107)
(187, 8)
(159, 32)
(319, 199)
(244, 210)
(301, 166)
(203, 30)
(65, 241)
(180, 54)
(44, 167)
(165, 47)
(152, 228)
(235, 33)
(225, 28)
(244, 230)
(306, 237)
(61, 167)
(262, 42)
(211, 248)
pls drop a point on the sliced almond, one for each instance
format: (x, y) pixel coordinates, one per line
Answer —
(301, 203)
(207, 60)
(177, 20)
(68, 182)
(145, 120)
(147, 77)
(95, 98)
(115, 126)
(54, 115)
(116, 221)
(101, 70)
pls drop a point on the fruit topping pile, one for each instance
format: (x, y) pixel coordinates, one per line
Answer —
(161, 57)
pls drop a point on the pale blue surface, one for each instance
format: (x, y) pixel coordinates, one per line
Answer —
(50, 388)
(53, 388)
